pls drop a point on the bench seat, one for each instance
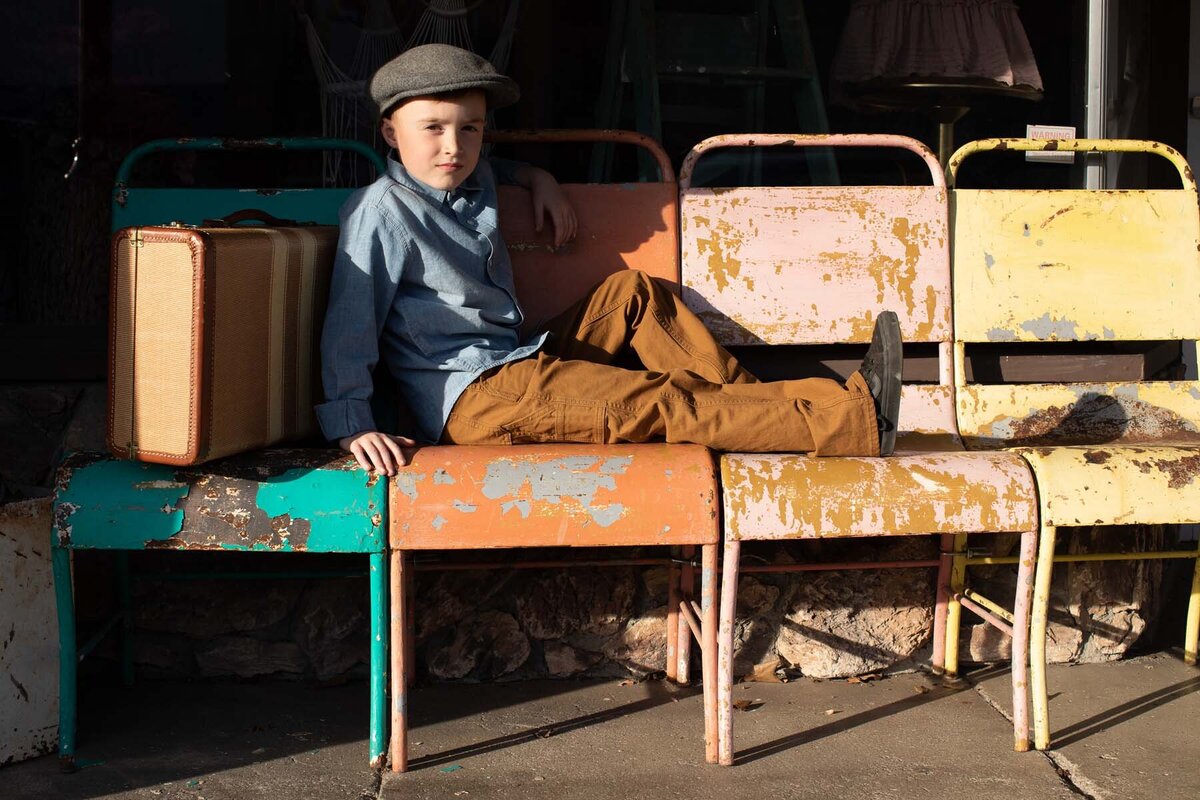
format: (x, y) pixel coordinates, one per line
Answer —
(273, 501)
(784, 496)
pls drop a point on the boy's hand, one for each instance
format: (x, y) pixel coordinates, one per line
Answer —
(377, 452)
(549, 197)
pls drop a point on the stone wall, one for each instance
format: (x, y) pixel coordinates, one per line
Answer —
(508, 623)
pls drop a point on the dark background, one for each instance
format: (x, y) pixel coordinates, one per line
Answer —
(120, 72)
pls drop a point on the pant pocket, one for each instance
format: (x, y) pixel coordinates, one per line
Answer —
(543, 424)
(463, 428)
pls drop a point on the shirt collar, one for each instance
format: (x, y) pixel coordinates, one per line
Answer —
(465, 189)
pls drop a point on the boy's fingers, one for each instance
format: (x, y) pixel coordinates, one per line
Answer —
(395, 452)
(380, 457)
(560, 226)
(368, 449)
(539, 211)
(357, 449)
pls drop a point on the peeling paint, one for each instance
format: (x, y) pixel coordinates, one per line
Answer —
(1116, 485)
(104, 508)
(577, 478)
(1049, 329)
(522, 506)
(261, 501)
(407, 482)
(442, 478)
(848, 250)
(1079, 414)
(783, 496)
(559, 495)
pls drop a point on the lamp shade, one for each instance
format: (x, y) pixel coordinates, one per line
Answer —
(954, 39)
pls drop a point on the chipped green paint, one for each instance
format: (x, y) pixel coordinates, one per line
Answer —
(345, 514)
(119, 505)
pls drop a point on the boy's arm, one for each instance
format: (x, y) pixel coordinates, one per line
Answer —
(366, 274)
(548, 196)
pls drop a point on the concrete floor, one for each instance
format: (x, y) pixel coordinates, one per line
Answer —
(1123, 730)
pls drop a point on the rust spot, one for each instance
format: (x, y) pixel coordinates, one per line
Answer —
(1056, 214)
(1100, 419)
(1179, 471)
(1051, 145)
(1096, 457)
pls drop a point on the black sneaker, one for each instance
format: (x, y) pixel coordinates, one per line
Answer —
(881, 369)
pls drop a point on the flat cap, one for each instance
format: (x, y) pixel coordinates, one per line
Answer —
(437, 68)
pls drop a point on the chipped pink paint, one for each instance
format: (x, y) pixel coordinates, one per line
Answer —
(814, 265)
(798, 497)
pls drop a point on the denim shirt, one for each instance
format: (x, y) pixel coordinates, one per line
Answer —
(422, 280)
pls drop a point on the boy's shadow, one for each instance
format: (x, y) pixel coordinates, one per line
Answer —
(621, 226)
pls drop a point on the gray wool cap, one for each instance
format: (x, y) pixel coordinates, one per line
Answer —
(437, 68)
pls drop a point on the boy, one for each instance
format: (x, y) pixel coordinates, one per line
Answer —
(422, 278)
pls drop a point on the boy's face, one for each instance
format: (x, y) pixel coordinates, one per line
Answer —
(438, 139)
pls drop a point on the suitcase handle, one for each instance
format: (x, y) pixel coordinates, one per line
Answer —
(252, 215)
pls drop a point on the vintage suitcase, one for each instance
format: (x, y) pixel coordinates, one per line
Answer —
(214, 338)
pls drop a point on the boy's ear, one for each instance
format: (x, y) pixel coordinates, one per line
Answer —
(389, 131)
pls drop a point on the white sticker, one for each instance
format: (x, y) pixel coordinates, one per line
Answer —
(1050, 132)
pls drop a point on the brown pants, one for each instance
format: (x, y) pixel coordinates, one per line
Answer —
(691, 390)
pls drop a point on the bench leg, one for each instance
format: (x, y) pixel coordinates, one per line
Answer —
(67, 658)
(1191, 639)
(957, 581)
(729, 586)
(1037, 641)
(377, 570)
(938, 659)
(683, 635)
(708, 647)
(125, 598)
(399, 656)
(410, 593)
(672, 615)
(1020, 641)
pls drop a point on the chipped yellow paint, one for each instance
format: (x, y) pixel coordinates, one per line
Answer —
(1055, 265)
(719, 248)
(1117, 485)
(1078, 413)
(1068, 264)
(797, 497)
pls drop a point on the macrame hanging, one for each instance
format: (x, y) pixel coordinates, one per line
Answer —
(379, 42)
(346, 110)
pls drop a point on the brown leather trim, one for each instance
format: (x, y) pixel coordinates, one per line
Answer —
(115, 245)
(202, 309)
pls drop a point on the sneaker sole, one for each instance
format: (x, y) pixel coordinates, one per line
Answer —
(887, 334)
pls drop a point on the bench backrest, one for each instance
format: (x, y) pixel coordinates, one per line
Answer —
(1069, 265)
(154, 205)
(621, 226)
(816, 264)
